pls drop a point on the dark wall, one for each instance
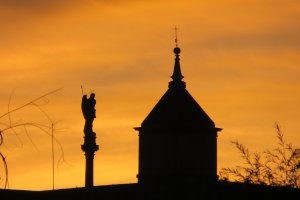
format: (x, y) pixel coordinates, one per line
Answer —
(177, 154)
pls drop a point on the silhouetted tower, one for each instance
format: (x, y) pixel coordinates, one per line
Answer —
(89, 147)
(177, 140)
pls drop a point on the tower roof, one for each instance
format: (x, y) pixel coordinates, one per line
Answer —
(177, 106)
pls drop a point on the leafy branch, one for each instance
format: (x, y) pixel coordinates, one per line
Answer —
(278, 167)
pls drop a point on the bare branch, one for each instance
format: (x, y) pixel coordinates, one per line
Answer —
(31, 102)
(11, 127)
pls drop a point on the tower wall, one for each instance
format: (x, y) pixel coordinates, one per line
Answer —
(177, 155)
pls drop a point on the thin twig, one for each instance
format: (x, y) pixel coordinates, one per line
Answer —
(6, 170)
(44, 128)
(31, 102)
(52, 148)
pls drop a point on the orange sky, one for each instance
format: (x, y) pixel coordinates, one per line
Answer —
(240, 59)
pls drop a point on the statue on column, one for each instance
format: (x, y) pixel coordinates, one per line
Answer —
(89, 147)
(88, 111)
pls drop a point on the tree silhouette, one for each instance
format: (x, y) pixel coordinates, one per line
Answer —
(277, 167)
(7, 126)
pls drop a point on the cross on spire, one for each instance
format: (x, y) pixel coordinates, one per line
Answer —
(176, 38)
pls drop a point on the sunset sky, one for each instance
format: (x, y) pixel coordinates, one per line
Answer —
(240, 59)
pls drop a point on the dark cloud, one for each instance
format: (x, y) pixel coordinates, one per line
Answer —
(274, 40)
(37, 5)
(51, 6)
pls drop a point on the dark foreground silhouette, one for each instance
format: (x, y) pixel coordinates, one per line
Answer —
(219, 190)
(177, 157)
(89, 146)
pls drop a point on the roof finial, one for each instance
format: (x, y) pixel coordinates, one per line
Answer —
(176, 76)
(176, 38)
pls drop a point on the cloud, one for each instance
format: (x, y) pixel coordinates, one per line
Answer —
(53, 5)
(37, 5)
(273, 40)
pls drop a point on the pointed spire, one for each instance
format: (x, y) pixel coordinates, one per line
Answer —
(177, 76)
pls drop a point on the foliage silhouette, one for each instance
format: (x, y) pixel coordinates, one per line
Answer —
(276, 167)
(47, 128)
